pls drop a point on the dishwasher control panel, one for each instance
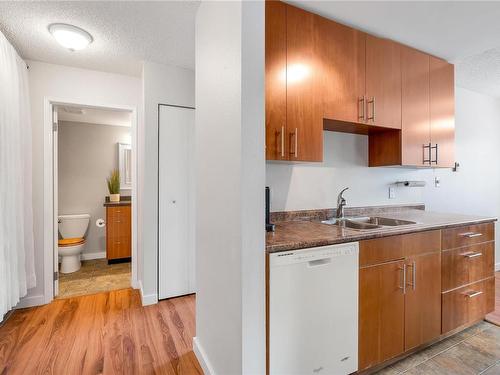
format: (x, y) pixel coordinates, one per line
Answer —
(313, 254)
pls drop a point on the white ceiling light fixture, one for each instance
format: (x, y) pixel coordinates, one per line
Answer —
(70, 37)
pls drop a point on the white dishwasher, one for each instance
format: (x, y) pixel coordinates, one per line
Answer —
(313, 311)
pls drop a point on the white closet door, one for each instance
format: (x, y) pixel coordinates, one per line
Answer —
(176, 248)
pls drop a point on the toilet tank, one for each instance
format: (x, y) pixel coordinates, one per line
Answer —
(73, 226)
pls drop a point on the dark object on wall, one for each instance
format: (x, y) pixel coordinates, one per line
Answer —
(269, 226)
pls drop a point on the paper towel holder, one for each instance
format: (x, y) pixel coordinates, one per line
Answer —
(410, 183)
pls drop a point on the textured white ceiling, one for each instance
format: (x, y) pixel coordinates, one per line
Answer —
(466, 33)
(125, 33)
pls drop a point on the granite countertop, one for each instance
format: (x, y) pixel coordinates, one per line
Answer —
(124, 201)
(299, 234)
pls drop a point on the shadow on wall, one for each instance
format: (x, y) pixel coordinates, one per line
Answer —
(297, 186)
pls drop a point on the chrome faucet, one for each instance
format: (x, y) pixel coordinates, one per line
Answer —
(340, 204)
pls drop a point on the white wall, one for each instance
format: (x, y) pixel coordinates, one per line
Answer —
(166, 85)
(74, 85)
(87, 153)
(230, 237)
(475, 189)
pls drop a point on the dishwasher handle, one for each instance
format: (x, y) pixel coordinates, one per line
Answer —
(319, 262)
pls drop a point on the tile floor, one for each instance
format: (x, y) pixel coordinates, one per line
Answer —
(95, 276)
(471, 352)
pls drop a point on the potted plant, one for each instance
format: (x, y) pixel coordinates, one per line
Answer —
(114, 186)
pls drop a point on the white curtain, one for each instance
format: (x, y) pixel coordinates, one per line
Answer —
(17, 269)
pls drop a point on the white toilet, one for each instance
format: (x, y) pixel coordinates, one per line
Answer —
(72, 229)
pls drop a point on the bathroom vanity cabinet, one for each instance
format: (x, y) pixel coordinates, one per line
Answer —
(118, 232)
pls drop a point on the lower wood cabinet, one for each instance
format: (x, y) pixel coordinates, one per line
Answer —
(118, 232)
(417, 287)
(381, 313)
(399, 299)
(422, 299)
(468, 304)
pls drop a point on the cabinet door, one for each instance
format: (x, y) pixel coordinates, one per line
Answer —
(303, 101)
(276, 145)
(383, 83)
(118, 232)
(381, 313)
(415, 107)
(342, 51)
(422, 299)
(442, 112)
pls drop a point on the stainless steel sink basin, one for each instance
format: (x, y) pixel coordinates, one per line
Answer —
(384, 221)
(367, 223)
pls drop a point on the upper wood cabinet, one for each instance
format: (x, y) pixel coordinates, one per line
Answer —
(294, 124)
(415, 107)
(276, 147)
(342, 59)
(303, 87)
(382, 100)
(442, 112)
(321, 75)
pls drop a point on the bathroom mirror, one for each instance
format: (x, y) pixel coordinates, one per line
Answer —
(125, 165)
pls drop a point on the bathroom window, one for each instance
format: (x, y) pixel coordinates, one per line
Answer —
(125, 165)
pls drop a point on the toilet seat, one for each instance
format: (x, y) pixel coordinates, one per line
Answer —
(70, 241)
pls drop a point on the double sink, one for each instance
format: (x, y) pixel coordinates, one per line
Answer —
(367, 222)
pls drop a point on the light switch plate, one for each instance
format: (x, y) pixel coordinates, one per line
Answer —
(392, 192)
(437, 182)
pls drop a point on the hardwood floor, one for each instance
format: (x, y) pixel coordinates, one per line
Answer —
(494, 317)
(105, 333)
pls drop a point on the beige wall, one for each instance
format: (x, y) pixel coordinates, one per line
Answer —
(87, 154)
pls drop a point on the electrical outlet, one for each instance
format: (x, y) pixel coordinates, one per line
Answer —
(392, 192)
(437, 182)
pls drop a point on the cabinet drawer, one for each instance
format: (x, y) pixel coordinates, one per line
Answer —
(118, 214)
(468, 304)
(388, 249)
(118, 247)
(380, 250)
(467, 265)
(467, 235)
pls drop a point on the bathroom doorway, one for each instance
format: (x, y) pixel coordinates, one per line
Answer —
(93, 184)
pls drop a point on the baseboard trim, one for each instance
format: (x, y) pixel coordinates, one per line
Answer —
(201, 356)
(497, 267)
(31, 301)
(96, 255)
(147, 299)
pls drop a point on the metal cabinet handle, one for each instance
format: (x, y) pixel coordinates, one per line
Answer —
(435, 161)
(473, 294)
(472, 255)
(413, 283)
(424, 161)
(361, 108)
(296, 136)
(282, 141)
(404, 278)
(372, 102)
(471, 234)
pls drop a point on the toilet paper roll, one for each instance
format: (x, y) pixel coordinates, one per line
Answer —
(100, 223)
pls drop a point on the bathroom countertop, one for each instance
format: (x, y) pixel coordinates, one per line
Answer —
(300, 234)
(124, 201)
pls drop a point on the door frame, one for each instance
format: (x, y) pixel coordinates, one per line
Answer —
(49, 226)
